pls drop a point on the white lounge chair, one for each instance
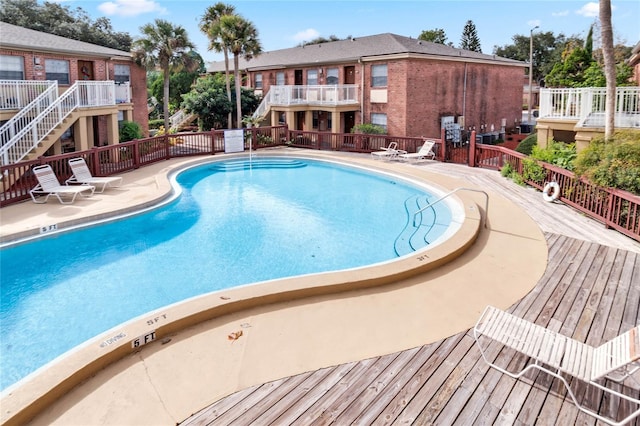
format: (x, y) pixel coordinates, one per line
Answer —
(82, 175)
(425, 151)
(48, 185)
(388, 153)
(562, 356)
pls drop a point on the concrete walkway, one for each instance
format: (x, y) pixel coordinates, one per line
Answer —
(189, 368)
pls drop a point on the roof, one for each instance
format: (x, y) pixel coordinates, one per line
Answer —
(361, 48)
(20, 38)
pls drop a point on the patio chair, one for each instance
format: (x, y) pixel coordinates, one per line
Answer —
(48, 185)
(388, 153)
(82, 175)
(561, 356)
(425, 151)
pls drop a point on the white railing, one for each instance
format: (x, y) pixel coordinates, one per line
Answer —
(28, 113)
(17, 94)
(179, 119)
(587, 106)
(327, 95)
(80, 94)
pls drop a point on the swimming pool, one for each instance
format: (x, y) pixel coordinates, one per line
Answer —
(234, 223)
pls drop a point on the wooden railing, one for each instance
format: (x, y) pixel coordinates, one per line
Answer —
(617, 209)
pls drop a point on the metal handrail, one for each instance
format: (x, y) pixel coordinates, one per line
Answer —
(486, 203)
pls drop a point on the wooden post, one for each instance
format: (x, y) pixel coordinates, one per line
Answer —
(472, 149)
(443, 139)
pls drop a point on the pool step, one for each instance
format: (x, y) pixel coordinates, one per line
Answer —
(256, 163)
(415, 236)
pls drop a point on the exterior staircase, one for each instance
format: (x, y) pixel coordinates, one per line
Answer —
(32, 131)
(179, 120)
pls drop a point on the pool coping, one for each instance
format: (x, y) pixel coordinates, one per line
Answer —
(41, 389)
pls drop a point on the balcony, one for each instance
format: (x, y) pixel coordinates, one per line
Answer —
(586, 106)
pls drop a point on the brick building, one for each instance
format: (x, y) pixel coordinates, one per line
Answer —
(410, 87)
(38, 69)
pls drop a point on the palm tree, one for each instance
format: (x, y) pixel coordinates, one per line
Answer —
(210, 25)
(167, 48)
(609, 67)
(241, 38)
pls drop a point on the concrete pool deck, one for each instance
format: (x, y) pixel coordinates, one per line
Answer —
(188, 368)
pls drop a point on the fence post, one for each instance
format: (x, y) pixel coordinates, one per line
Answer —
(443, 139)
(213, 141)
(472, 149)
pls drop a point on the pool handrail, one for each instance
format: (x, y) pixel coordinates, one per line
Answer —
(486, 203)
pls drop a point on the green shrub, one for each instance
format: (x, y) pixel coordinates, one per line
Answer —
(506, 170)
(532, 171)
(526, 145)
(556, 153)
(130, 130)
(156, 124)
(368, 128)
(614, 164)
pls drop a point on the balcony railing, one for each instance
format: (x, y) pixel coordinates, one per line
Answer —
(587, 106)
(16, 94)
(318, 95)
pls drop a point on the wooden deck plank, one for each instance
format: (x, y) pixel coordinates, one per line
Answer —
(589, 291)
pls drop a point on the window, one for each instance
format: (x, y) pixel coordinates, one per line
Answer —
(57, 70)
(280, 78)
(258, 81)
(378, 75)
(312, 77)
(379, 120)
(332, 75)
(121, 73)
(11, 67)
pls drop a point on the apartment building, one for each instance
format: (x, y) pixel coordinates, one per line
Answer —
(59, 95)
(408, 86)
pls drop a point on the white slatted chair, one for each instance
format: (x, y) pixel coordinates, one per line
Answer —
(557, 354)
(82, 175)
(48, 185)
(425, 152)
(388, 153)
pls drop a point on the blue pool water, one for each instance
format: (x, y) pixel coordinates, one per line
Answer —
(234, 223)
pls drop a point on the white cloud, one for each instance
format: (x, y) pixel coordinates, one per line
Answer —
(589, 10)
(306, 35)
(130, 7)
(559, 14)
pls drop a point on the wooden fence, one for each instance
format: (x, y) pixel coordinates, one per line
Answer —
(616, 209)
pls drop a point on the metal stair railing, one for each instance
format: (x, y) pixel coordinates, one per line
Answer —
(486, 203)
(180, 118)
(80, 94)
(28, 113)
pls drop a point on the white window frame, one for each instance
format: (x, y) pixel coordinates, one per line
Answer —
(334, 75)
(379, 75)
(312, 77)
(10, 66)
(55, 69)
(258, 81)
(119, 76)
(280, 81)
(379, 120)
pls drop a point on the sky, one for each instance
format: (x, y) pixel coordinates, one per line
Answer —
(285, 24)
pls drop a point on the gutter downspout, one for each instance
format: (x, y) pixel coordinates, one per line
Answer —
(464, 94)
(361, 90)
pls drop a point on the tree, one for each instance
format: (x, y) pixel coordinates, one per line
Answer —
(609, 67)
(470, 40)
(571, 71)
(436, 35)
(165, 47)
(54, 18)
(207, 99)
(241, 38)
(547, 51)
(210, 25)
(179, 83)
(320, 40)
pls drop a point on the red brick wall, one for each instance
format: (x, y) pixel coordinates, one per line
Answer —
(103, 69)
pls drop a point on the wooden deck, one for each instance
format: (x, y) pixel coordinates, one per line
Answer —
(589, 291)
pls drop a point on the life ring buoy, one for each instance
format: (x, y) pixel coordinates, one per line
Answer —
(551, 191)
